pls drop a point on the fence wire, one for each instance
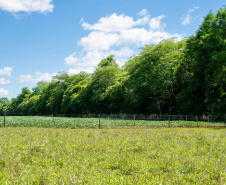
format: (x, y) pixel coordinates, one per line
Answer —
(109, 120)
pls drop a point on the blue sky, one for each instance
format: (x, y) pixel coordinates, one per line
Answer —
(40, 38)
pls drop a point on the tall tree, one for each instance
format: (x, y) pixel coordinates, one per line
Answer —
(103, 82)
(204, 69)
(150, 84)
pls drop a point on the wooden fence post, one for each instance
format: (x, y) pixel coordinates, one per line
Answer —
(134, 120)
(197, 121)
(53, 120)
(186, 117)
(99, 121)
(4, 119)
(169, 121)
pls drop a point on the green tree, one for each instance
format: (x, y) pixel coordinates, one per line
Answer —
(100, 91)
(15, 106)
(4, 105)
(72, 101)
(203, 71)
(150, 85)
(51, 97)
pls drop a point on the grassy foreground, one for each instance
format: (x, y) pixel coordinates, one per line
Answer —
(112, 156)
(64, 122)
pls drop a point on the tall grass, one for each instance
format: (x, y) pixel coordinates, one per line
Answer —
(112, 156)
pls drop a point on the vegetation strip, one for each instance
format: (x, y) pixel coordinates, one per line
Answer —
(63, 122)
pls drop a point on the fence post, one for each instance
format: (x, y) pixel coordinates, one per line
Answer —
(134, 120)
(169, 121)
(186, 117)
(4, 119)
(99, 121)
(197, 121)
(208, 118)
(53, 120)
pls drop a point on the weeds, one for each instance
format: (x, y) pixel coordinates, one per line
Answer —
(112, 156)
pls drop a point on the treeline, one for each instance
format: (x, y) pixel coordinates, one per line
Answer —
(185, 77)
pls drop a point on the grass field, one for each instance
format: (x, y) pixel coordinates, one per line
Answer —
(112, 156)
(63, 122)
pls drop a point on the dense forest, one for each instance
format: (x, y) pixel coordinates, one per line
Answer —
(185, 77)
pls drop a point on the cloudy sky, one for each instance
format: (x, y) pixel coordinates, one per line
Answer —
(39, 38)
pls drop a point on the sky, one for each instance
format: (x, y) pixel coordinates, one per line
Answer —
(40, 38)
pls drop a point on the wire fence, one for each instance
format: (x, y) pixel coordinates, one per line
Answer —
(109, 120)
(155, 117)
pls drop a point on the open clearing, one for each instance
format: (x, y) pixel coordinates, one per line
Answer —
(112, 156)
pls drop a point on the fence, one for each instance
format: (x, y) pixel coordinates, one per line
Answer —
(109, 120)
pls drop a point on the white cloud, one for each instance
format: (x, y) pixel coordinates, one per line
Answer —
(120, 31)
(187, 18)
(155, 23)
(99, 41)
(37, 77)
(71, 60)
(3, 92)
(135, 36)
(89, 60)
(15, 6)
(115, 34)
(6, 71)
(143, 12)
(114, 23)
(142, 36)
(3, 81)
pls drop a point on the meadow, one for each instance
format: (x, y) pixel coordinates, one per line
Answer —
(67, 122)
(132, 155)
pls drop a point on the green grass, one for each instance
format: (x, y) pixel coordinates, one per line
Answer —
(112, 156)
(63, 122)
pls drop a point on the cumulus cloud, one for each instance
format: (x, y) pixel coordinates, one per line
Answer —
(142, 36)
(6, 71)
(121, 30)
(71, 59)
(114, 23)
(136, 36)
(116, 34)
(90, 59)
(187, 18)
(155, 23)
(37, 77)
(99, 41)
(15, 6)
(3, 92)
(3, 81)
